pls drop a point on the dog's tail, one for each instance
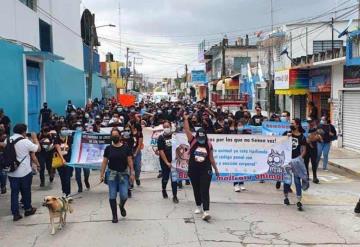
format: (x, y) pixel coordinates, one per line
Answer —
(71, 210)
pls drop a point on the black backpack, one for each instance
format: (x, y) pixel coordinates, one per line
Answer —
(10, 162)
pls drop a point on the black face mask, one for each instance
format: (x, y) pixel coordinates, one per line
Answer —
(115, 139)
(292, 127)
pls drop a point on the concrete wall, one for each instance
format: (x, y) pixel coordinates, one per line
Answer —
(64, 82)
(11, 81)
(22, 24)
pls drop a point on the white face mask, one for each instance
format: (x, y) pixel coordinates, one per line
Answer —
(167, 131)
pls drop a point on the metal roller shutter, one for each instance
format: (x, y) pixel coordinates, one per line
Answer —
(351, 120)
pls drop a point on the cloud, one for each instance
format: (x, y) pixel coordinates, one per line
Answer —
(166, 32)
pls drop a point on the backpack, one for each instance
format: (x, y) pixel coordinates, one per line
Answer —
(10, 162)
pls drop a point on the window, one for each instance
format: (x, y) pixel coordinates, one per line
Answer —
(45, 36)
(326, 45)
(30, 3)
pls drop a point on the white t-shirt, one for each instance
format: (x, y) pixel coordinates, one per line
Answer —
(23, 149)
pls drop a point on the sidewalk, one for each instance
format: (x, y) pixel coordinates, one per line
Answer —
(344, 159)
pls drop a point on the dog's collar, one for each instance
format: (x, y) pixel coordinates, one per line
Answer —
(63, 207)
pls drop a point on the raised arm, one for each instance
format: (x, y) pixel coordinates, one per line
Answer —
(187, 128)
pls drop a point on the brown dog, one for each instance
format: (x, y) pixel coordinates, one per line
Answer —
(58, 208)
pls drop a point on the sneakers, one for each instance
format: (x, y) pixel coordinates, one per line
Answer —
(206, 216)
(3, 190)
(357, 208)
(237, 188)
(278, 185)
(326, 170)
(242, 188)
(316, 181)
(17, 217)
(30, 212)
(299, 206)
(175, 200)
(198, 210)
(138, 182)
(286, 201)
(165, 195)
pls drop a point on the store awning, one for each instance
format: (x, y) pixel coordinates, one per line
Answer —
(295, 91)
(230, 84)
(43, 55)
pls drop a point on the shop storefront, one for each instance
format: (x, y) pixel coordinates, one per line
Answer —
(320, 89)
(293, 86)
(351, 107)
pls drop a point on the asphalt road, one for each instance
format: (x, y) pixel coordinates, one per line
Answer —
(256, 217)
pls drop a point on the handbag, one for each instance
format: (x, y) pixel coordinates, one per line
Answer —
(57, 162)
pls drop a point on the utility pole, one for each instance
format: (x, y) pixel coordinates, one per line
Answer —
(134, 72)
(126, 69)
(332, 38)
(270, 61)
(186, 76)
(91, 57)
(223, 48)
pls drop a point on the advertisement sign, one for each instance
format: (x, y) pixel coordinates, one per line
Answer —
(320, 80)
(281, 79)
(198, 76)
(239, 157)
(351, 76)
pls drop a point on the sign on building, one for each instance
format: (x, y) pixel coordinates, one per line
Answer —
(281, 80)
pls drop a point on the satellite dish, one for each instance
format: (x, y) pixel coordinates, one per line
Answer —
(345, 31)
(284, 52)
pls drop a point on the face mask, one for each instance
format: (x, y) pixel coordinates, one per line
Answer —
(115, 120)
(201, 141)
(169, 111)
(292, 127)
(119, 109)
(283, 119)
(322, 122)
(132, 110)
(79, 129)
(45, 106)
(115, 139)
(87, 116)
(64, 133)
(240, 129)
(159, 112)
(167, 131)
(126, 134)
(73, 114)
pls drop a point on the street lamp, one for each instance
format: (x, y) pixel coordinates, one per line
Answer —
(91, 57)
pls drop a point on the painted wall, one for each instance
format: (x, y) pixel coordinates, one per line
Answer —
(22, 24)
(64, 82)
(96, 87)
(11, 81)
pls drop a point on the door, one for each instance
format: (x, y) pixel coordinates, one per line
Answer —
(299, 106)
(34, 96)
(351, 120)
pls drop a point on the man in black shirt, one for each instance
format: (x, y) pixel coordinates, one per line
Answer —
(239, 114)
(165, 152)
(5, 121)
(258, 119)
(45, 115)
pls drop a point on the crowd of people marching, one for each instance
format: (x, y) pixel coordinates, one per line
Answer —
(121, 167)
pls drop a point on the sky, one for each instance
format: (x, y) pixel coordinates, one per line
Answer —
(163, 35)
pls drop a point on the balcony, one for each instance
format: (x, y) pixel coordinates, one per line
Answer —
(229, 99)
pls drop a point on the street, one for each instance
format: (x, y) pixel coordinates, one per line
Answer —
(255, 217)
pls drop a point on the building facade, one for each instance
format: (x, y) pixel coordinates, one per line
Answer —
(41, 58)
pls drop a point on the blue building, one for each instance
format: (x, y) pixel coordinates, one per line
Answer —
(41, 58)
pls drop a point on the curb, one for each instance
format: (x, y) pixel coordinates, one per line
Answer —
(352, 172)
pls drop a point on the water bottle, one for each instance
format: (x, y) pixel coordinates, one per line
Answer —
(174, 175)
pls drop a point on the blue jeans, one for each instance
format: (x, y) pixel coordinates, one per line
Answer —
(137, 165)
(3, 176)
(22, 185)
(297, 182)
(323, 149)
(78, 176)
(120, 184)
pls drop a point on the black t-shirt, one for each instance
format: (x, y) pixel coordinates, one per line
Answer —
(45, 115)
(297, 142)
(118, 157)
(313, 144)
(327, 128)
(239, 115)
(199, 155)
(257, 120)
(136, 138)
(164, 143)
